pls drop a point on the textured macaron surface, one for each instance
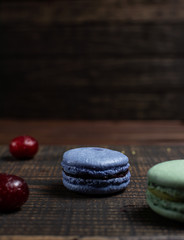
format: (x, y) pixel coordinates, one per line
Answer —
(168, 209)
(165, 193)
(94, 161)
(95, 170)
(97, 182)
(94, 158)
(168, 174)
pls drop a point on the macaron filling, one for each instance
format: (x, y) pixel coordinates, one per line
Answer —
(82, 171)
(168, 205)
(98, 183)
(88, 176)
(166, 193)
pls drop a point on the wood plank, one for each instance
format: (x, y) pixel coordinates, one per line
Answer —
(19, 237)
(86, 103)
(57, 132)
(44, 12)
(160, 237)
(94, 40)
(129, 75)
(52, 210)
(136, 43)
(141, 89)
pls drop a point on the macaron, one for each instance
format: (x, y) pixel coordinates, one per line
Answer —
(95, 170)
(165, 193)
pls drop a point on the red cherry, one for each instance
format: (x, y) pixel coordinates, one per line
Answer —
(23, 147)
(14, 192)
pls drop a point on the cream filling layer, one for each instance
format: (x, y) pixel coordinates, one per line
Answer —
(169, 194)
(152, 199)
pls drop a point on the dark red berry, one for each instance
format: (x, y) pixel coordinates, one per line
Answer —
(23, 147)
(14, 192)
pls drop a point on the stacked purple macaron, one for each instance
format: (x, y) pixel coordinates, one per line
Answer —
(95, 170)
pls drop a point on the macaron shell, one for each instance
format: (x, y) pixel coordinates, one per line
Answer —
(94, 158)
(87, 189)
(174, 211)
(168, 174)
(96, 182)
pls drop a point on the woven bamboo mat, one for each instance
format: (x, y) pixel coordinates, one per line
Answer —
(53, 212)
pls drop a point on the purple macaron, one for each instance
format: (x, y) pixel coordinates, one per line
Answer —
(94, 170)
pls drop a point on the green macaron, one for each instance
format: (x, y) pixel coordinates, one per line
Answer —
(165, 193)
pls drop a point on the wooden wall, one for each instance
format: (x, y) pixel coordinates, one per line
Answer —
(92, 59)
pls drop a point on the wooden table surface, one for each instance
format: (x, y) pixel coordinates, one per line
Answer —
(52, 212)
(55, 132)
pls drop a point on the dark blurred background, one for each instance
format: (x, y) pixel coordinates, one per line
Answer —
(92, 59)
